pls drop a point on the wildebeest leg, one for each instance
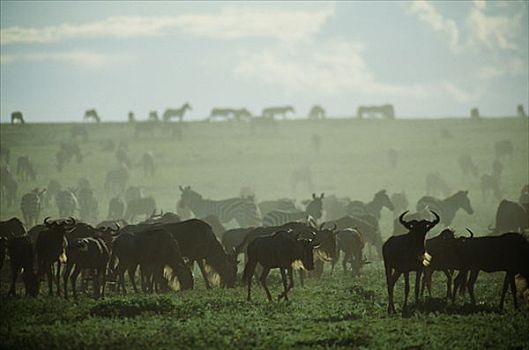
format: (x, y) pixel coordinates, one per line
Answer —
(417, 285)
(504, 289)
(14, 274)
(284, 280)
(346, 259)
(335, 260)
(406, 290)
(58, 278)
(301, 277)
(426, 281)
(73, 279)
(200, 263)
(513, 290)
(132, 271)
(391, 279)
(448, 274)
(248, 275)
(262, 279)
(104, 282)
(97, 286)
(49, 275)
(471, 282)
(66, 274)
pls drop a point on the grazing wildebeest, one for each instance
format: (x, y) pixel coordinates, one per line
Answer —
(474, 114)
(227, 113)
(17, 116)
(520, 112)
(380, 200)
(216, 225)
(436, 185)
(316, 113)
(280, 250)
(404, 254)
(271, 112)
(25, 169)
(153, 117)
(91, 114)
(467, 165)
(280, 217)
(31, 204)
(147, 162)
(386, 111)
(116, 208)
(244, 211)
(285, 204)
(50, 248)
(66, 202)
(299, 176)
(503, 149)
(234, 237)
(116, 179)
(510, 217)
(176, 113)
(508, 252)
(22, 258)
(86, 253)
(368, 225)
(351, 242)
(12, 228)
(448, 207)
(8, 186)
(88, 205)
(140, 206)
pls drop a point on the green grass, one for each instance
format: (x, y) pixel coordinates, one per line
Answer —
(217, 159)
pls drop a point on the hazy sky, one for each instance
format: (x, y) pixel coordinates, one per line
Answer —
(429, 59)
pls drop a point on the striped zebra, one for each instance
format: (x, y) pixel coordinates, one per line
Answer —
(30, 205)
(380, 200)
(67, 203)
(281, 217)
(448, 207)
(242, 210)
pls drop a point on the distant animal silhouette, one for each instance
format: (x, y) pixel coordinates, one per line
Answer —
(386, 111)
(230, 113)
(521, 112)
(467, 165)
(448, 207)
(17, 116)
(474, 114)
(271, 112)
(92, 114)
(503, 149)
(176, 113)
(153, 116)
(25, 169)
(316, 112)
(436, 185)
(131, 117)
(491, 182)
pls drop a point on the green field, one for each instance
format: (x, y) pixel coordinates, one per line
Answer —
(217, 159)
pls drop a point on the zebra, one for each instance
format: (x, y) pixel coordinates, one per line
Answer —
(30, 204)
(271, 112)
(281, 217)
(316, 112)
(25, 169)
(387, 111)
(66, 202)
(242, 210)
(176, 113)
(116, 179)
(380, 200)
(116, 208)
(88, 206)
(448, 207)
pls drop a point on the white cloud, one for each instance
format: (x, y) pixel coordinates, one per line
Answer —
(426, 12)
(460, 94)
(83, 58)
(228, 24)
(331, 69)
(510, 66)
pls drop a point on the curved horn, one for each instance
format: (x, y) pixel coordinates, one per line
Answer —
(70, 221)
(117, 227)
(321, 226)
(437, 218)
(401, 218)
(47, 221)
(471, 233)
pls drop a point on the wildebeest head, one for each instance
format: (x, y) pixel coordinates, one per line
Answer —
(326, 237)
(307, 247)
(419, 226)
(464, 201)
(383, 198)
(188, 196)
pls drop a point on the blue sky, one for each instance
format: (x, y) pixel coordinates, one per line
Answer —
(430, 59)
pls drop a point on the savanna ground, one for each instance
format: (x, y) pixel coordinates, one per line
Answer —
(217, 159)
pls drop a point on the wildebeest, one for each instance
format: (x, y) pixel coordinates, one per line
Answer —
(374, 207)
(91, 114)
(31, 204)
(88, 205)
(491, 182)
(503, 149)
(86, 253)
(271, 112)
(53, 188)
(280, 217)
(216, 225)
(176, 113)
(448, 207)
(436, 185)
(236, 114)
(116, 179)
(404, 254)
(147, 163)
(508, 252)
(351, 243)
(122, 156)
(12, 228)
(17, 116)
(368, 225)
(50, 248)
(467, 165)
(25, 169)
(153, 117)
(510, 217)
(116, 208)
(22, 258)
(140, 206)
(277, 251)
(234, 237)
(474, 114)
(66, 202)
(162, 218)
(316, 113)
(386, 111)
(520, 112)
(8, 186)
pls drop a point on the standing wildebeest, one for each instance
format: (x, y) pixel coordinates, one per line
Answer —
(503, 149)
(86, 253)
(386, 111)
(316, 113)
(116, 179)
(448, 207)
(271, 112)
(508, 252)
(153, 117)
(510, 217)
(244, 211)
(91, 114)
(380, 200)
(8, 186)
(277, 251)
(22, 258)
(12, 228)
(467, 165)
(140, 206)
(520, 112)
(406, 253)
(176, 113)
(66, 202)
(88, 205)
(25, 169)
(351, 242)
(50, 248)
(474, 114)
(147, 162)
(491, 182)
(130, 117)
(116, 208)
(301, 175)
(53, 188)
(368, 225)
(31, 204)
(436, 185)
(17, 116)
(280, 217)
